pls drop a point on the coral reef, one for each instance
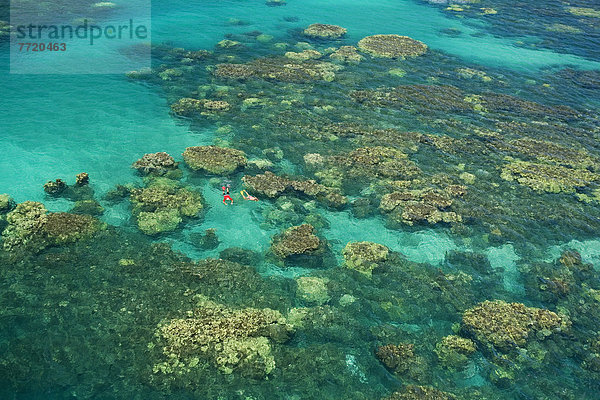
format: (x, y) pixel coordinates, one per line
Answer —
(272, 185)
(304, 55)
(398, 72)
(118, 193)
(61, 228)
(81, 190)
(499, 102)
(6, 203)
(324, 31)
(288, 211)
(422, 97)
(471, 73)
(364, 257)
(25, 224)
(169, 74)
(453, 351)
(392, 46)
(430, 99)
(506, 325)
(214, 160)
(278, 69)
(552, 282)
(189, 107)
(431, 205)
(159, 221)
(32, 228)
(408, 153)
(398, 358)
(268, 184)
(241, 256)
(229, 44)
(313, 289)
(82, 179)
(378, 161)
(155, 164)
(164, 195)
(571, 260)
(584, 12)
(235, 340)
(548, 177)
(237, 284)
(90, 207)
(412, 392)
(55, 188)
(589, 79)
(347, 54)
(563, 28)
(296, 240)
(162, 205)
(551, 152)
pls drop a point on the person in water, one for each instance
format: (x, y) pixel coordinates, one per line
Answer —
(247, 196)
(226, 196)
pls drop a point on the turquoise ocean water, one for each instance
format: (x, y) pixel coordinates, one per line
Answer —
(83, 319)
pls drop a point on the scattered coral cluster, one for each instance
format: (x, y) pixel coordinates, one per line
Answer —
(296, 240)
(505, 325)
(547, 177)
(454, 351)
(234, 340)
(31, 228)
(364, 256)
(429, 205)
(392, 46)
(189, 107)
(279, 69)
(313, 289)
(163, 204)
(6, 203)
(272, 185)
(157, 164)
(347, 54)
(451, 99)
(214, 160)
(324, 31)
(398, 358)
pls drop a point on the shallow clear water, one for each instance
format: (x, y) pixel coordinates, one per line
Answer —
(80, 319)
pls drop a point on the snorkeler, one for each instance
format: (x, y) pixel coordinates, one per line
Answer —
(226, 195)
(247, 196)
